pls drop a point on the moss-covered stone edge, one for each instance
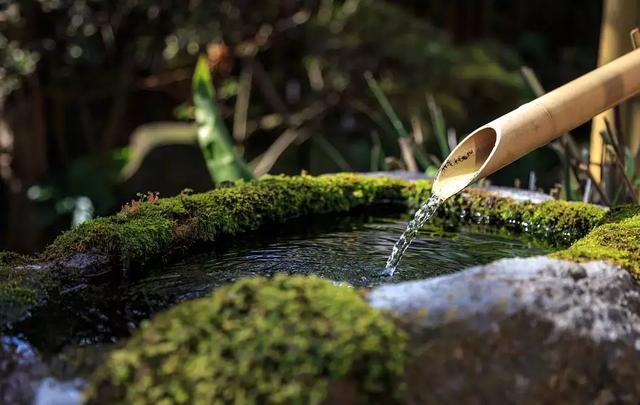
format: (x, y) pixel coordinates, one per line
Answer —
(294, 340)
(156, 229)
(171, 226)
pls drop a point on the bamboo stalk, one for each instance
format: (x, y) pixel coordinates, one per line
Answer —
(619, 17)
(537, 123)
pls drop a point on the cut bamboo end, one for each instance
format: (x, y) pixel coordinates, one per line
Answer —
(466, 162)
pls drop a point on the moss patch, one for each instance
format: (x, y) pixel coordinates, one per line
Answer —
(616, 239)
(154, 229)
(280, 340)
(558, 222)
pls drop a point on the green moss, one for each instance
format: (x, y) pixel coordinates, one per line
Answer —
(153, 229)
(15, 300)
(280, 340)
(616, 239)
(134, 239)
(557, 222)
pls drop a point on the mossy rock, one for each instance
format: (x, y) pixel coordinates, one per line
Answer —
(558, 223)
(155, 229)
(279, 340)
(616, 240)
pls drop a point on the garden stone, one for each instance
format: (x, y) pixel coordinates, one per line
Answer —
(521, 331)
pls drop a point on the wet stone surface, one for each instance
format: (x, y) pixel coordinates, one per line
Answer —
(521, 330)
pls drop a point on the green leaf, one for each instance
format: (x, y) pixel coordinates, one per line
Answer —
(216, 145)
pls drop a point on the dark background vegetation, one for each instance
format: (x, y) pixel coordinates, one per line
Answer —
(77, 77)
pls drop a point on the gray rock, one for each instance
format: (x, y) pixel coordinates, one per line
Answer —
(534, 330)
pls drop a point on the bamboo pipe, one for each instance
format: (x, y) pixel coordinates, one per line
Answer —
(534, 124)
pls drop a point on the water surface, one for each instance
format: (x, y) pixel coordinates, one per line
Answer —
(352, 250)
(355, 252)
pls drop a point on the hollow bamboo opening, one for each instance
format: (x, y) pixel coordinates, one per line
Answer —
(465, 162)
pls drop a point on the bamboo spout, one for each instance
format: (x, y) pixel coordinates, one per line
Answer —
(537, 123)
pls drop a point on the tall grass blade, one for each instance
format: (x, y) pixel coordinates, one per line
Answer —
(395, 121)
(439, 126)
(401, 131)
(333, 152)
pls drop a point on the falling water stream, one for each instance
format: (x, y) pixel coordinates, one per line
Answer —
(421, 217)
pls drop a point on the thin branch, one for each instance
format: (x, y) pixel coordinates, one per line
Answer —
(118, 106)
(585, 169)
(619, 159)
(268, 90)
(332, 152)
(407, 150)
(264, 163)
(164, 79)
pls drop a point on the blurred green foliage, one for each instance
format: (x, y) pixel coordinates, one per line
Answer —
(77, 45)
(97, 70)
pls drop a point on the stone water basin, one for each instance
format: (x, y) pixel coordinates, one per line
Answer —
(298, 338)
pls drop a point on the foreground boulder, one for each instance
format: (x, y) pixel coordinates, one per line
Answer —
(533, 330)
(536, 330)
(283, 340)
